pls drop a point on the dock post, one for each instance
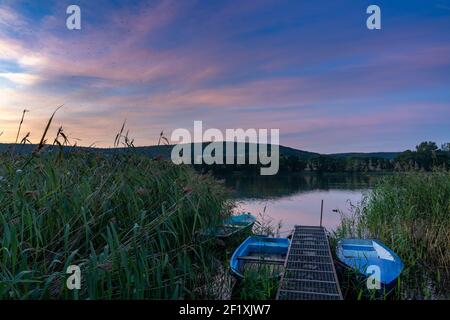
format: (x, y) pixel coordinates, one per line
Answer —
(321, 213)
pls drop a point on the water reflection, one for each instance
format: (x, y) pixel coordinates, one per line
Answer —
(296, 199)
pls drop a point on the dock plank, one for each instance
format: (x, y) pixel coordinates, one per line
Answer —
(309, 270)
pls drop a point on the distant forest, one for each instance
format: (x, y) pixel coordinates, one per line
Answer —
(425, 157)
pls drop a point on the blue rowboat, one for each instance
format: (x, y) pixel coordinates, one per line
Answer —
(370, 257)
(256, 251)
(233, 225)
(246, 219)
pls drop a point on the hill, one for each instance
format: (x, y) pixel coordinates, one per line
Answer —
(164, 151)
(381, 155)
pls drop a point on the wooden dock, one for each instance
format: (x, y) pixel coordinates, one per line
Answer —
(309, 270)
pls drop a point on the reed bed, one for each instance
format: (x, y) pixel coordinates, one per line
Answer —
(410, 212)
(130, 223)
(258, 284)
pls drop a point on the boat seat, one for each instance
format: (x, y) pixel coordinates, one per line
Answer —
(261, 260)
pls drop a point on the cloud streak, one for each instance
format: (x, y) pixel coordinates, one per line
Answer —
(164, 64)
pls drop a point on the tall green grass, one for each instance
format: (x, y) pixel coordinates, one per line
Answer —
(259, 284)
(129, 222)
(410, 212)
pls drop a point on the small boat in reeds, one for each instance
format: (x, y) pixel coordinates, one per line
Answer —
(368, 257)
(233, 225)
(257, 251)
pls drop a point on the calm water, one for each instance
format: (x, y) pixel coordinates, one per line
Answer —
(296, 199)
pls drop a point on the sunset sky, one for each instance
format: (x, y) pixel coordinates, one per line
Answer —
(310, 68)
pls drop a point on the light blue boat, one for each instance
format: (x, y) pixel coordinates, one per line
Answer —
(231, 226)
(369, 256)
(245, 219)
(256, 251)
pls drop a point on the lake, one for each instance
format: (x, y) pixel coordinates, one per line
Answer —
(296, 198)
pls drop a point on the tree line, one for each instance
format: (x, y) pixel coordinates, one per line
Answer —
(426, 156)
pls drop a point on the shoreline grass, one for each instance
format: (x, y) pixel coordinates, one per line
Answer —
(410, 213)
(128, 221)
